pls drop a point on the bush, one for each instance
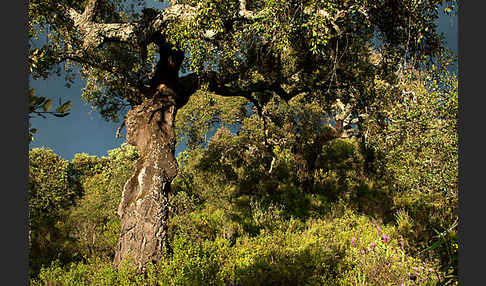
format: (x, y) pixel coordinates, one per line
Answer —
(417, 158)
(52, 190)
(72, 206)
(93, 221)
(343, 249)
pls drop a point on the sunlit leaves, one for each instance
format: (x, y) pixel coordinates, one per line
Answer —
(64, 108)
(41, 106)
(37, 102)
(203, 112)
(413, 132)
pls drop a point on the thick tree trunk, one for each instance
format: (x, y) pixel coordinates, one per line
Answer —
(144, 205)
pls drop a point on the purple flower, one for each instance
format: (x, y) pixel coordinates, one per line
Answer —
(352, 241)
(379, 230)
(372, 245)
(386, 238)
(402, 244)
(362, 251)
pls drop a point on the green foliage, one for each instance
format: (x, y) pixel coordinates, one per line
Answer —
(72, 206)
(40, 106)
(52, 189)
(85, 166)
(95, 271)
(49, 182)
(286, 30)
(325, 251)
(94, 222)
(51, 45)
(194, 264)
(303, 208)
(416, 142)
(202, 112)
(318, 46)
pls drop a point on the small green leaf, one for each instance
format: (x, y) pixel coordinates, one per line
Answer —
(47, 105)
(36, 100)
(65, 107)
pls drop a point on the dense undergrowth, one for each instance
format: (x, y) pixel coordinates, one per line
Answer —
(311, 210)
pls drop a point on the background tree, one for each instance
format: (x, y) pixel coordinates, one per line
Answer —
(72, 205)
(52, 190)
(93, 222)
(132, 57)
(413, 134)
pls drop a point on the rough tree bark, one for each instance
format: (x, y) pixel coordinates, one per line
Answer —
(144, 208)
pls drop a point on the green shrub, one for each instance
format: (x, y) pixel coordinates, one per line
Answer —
(94, 223)
(417, 158)
(337, 250)
(52, 190)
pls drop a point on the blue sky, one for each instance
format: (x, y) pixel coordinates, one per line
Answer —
(84, 131)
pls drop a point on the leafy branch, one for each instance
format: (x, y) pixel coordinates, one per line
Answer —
(41, 106)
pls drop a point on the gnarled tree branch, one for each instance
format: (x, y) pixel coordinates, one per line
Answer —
(90, 10)
(94, 34)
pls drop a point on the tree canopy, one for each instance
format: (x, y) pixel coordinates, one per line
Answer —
(234, 48)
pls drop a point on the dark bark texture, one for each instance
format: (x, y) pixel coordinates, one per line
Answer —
(144, 206)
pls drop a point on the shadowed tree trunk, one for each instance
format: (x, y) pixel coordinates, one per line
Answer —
(144, 208)
(144, 205)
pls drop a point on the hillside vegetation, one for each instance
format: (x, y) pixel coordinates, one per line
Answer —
(283, 201)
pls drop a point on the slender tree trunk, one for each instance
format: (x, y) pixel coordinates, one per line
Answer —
(144, 208)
